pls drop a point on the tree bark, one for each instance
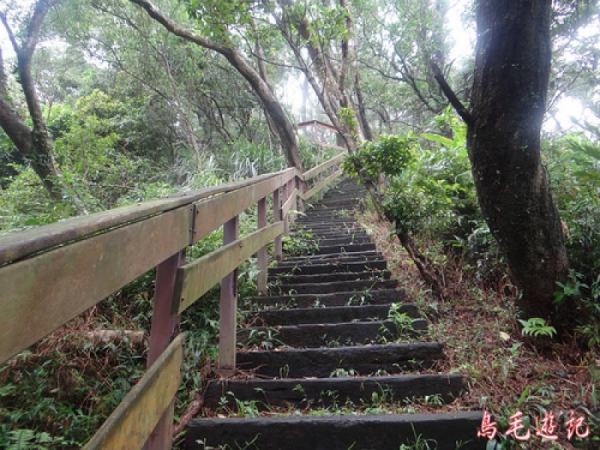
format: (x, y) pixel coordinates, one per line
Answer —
(330, 88)
(34, 144)
(280, 120)
(512, 68)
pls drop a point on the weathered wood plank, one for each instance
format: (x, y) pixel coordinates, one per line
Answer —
(262, 256)
(322, 167)
(325, 391)
(129, 426)
(228, 306)
(321, 362)
(15, 246)
(214, 212)
(197, 277)
(289, 204)
(278, 245)
(327, 181)
(383, 432)
(62, 283)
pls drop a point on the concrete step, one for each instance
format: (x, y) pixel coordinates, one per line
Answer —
(342, 298)
(325, 214)
(385, 432)
(323, 362)
(343, 240)
(322, 392)
(335, 314)
(337, 203)
(331, 334)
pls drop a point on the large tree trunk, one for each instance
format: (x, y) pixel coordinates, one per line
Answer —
(512, 67)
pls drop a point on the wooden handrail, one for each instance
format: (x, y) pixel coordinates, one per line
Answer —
(21, 244)
(60, 270)
(136, 416)
(322, 167)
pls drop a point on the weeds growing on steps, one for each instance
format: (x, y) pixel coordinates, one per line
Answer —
(504, 369)
(73, 385)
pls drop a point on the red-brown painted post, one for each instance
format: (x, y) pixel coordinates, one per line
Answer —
(163, 329)
(301, 189)
(319, 194)
(277, 218)
(285, 194)
(291, 185)
(262, 257)
(228, 308)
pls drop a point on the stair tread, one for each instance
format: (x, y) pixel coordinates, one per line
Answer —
(328, 315)
(334, 286)
(342, 298)
(343, 269)
(322, 362)
(382, 432)
(311, 335)
(333, 277)
(301, 391)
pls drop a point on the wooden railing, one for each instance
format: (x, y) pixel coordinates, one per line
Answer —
(51, 274)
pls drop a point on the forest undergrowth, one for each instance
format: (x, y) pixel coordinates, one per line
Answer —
(505, 371)
(75, 377)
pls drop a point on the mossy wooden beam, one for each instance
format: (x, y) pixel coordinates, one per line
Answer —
(42, 293)
(15, 246)
(319, 187)
(197, 277)
(289, 204)
(322, 167)
(214, 212)
(130, 425)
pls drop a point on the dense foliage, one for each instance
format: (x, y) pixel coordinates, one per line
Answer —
(132, 112)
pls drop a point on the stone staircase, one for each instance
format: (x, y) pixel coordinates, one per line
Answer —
(335, 343)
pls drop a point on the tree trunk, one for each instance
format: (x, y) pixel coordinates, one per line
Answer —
(279, 118)
(34, 144)
(512, 68)
(330, 87)
(236, 58)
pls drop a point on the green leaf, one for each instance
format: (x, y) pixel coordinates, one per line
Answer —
(439, 139)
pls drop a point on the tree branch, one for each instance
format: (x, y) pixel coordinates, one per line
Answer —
(462, 111)
(177, 29)
(35, 25)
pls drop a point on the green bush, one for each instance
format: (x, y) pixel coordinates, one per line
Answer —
(428, 190)
(574, 165)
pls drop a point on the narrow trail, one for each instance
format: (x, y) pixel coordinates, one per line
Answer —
(328, 315)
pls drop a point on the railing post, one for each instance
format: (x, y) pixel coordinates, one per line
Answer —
(277, 218)
(291, 187)
(319, 194)
(228, 308)
(163, 329)
(301, 188)
(262, 257)
(285, 191)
